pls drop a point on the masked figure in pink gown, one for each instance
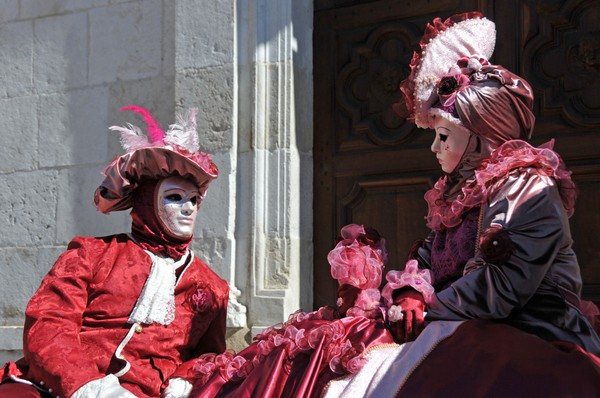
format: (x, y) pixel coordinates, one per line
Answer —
(490, 302)
(299, 357)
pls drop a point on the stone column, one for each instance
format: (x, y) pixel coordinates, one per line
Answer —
(274, 167)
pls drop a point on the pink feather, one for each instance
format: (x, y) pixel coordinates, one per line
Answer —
(155, 133)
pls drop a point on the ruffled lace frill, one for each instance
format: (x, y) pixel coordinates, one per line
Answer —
(334, 345)
(418, 279)
(302, 333)
(510, 156)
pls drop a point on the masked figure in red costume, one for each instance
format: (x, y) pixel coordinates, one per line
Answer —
(123, 315)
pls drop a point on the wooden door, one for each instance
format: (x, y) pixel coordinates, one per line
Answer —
(371, 167)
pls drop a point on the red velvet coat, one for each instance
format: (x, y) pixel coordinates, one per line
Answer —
(78, 317)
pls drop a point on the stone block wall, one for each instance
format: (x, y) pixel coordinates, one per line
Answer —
(69, 65)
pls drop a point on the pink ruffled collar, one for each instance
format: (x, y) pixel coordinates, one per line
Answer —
(511, 155)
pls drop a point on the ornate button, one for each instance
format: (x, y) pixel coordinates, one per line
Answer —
(139, 329)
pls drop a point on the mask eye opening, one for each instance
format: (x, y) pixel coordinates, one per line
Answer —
(174, 197)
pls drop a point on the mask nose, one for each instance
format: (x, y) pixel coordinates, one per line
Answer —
(188, 207)
(435, 146)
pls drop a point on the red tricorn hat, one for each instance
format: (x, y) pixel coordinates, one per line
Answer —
(157, 155)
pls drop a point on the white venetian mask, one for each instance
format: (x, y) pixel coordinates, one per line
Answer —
(449, 144)
(177, 206)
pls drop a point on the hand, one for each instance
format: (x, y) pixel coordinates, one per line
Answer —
(412, 322)
(346, 297)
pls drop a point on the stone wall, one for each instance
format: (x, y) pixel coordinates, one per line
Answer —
(247, 65)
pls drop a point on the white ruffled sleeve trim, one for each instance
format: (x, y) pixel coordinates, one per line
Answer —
(177, 388)
(106, 387)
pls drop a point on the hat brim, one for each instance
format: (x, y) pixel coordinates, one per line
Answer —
(125, 173)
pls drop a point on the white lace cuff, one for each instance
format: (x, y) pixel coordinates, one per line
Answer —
(106, 387)
(177, 388)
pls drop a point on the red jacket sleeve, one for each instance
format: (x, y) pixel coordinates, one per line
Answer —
(51, 341)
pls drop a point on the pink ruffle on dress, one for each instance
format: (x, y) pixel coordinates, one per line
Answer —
(298, 358)
(510, 156)
(411, 276)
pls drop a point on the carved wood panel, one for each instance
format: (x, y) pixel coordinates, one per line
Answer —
(561, 58)
(584, 228)
(371, 167)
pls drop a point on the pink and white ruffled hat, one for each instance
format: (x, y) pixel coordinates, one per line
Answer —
(467, 36)
(159, 154)
(452, 78)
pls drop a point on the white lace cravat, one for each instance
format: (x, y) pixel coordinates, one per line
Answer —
(156, 303)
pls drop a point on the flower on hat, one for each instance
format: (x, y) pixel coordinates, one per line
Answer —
(448, 88)
(444, 43)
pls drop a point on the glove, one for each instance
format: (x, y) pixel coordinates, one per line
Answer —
(346, 297)
(412, 322)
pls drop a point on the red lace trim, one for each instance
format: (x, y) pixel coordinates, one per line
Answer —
(509, 156)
